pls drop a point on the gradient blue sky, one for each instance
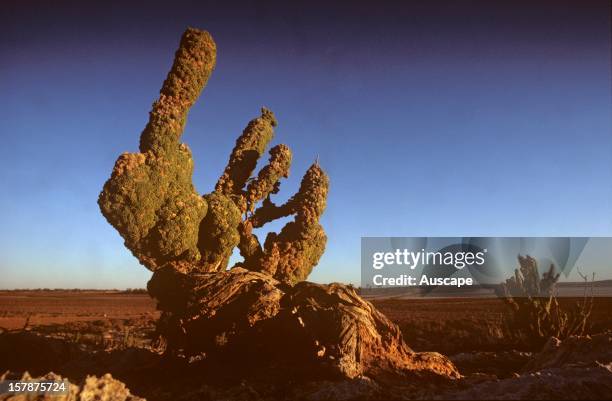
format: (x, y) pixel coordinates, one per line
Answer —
(450, 118)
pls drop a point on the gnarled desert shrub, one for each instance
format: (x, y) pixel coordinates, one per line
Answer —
(534, 312)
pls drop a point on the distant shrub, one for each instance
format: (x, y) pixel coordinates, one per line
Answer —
(135, 291)
(534, 311)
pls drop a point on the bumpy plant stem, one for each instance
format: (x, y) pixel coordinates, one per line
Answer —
(151, 201)
(249, 148)
(150, 198)
(290, 255)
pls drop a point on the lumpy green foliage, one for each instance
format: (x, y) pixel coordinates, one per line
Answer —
(150, 198)
(219, 232)
(151, 201)
(291, 254)
(267, 181)
(193, 64)
(249, 148)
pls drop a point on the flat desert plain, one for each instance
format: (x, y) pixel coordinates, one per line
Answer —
(447, 325)
(78, 333)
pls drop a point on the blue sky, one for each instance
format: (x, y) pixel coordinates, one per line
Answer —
(432, 119)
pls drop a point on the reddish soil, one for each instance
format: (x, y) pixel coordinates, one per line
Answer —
(442, 324)
(77, 333)
(59, 307)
